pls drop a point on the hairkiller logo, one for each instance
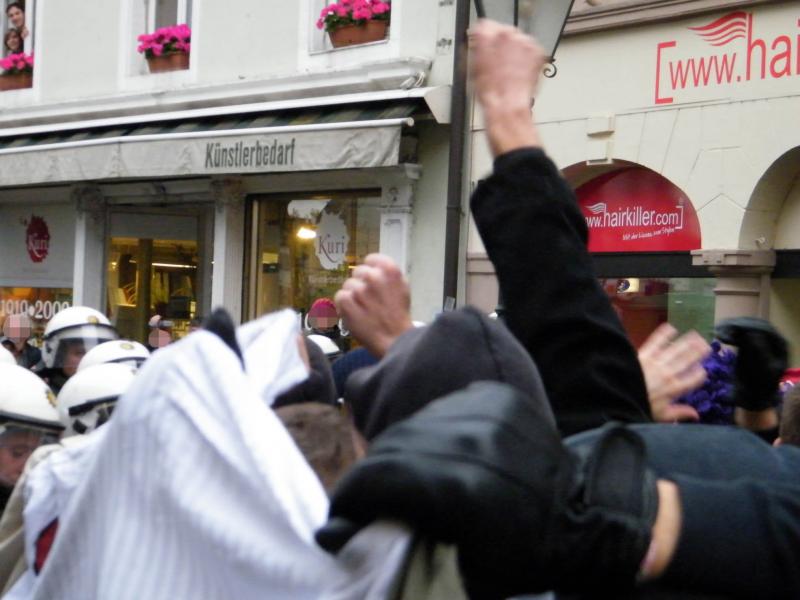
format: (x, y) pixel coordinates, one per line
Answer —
(734, 54)
(243, 154)
(633, 216)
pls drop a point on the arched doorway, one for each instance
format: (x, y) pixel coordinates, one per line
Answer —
(772, 220)
(642, 229)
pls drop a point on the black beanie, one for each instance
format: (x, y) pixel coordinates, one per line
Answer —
(319, 387)
(426, 363)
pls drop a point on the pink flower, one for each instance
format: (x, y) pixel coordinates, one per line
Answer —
(379, 8)
(157, 49)
(19, 62)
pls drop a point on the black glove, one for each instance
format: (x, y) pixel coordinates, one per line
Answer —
(762, 358)
(484, 469)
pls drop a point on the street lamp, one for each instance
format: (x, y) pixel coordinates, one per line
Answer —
(543, 19)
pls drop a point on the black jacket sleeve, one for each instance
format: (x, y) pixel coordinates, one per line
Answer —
(536, 237)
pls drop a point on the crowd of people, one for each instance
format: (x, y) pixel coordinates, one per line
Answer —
(17, 33)
(467, 458)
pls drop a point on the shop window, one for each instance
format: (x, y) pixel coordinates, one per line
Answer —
(149, 15)
(40, 304)
(644, 303)
(307, 245)
(152, 287)
(17, 25)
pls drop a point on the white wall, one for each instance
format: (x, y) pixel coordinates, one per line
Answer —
(246, 39)
(427, 245)
(77, 46)
(254, 50)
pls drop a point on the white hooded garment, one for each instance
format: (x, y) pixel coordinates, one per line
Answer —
(196, 490)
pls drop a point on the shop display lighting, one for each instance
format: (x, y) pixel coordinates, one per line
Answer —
(306, 233)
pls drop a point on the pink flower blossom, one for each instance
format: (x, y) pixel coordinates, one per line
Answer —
(349, 12)
(17, 63)
(165, 40)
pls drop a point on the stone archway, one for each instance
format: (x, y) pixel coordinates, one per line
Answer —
(772, 220)
(774, 205)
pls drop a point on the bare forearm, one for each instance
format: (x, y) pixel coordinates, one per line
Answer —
(509, 128)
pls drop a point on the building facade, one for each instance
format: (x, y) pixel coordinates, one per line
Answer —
(678, 124)
(254, 178)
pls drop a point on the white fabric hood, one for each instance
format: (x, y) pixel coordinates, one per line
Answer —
(197, 490)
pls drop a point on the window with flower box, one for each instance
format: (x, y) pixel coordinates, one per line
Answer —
(150, 16)
(368, 21)
(16, 59)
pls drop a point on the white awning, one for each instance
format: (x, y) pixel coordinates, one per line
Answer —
(321, 139)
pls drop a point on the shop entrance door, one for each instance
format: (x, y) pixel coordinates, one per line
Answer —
(156, 274)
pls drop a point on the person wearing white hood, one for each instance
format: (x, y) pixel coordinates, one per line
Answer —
(198, 491)
(52, 473)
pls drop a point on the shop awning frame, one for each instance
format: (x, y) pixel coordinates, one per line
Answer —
(205, 143)
(125, 139)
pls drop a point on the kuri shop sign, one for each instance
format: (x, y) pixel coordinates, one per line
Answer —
(728, 53)
(637, 210)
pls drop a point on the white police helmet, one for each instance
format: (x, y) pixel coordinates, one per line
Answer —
(87, 399)
(26, 401)
(77, 324)
(124, 352)
(6, 358)
(327, 345)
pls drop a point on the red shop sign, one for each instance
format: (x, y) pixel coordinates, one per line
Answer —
(37, 238)
(637, 210)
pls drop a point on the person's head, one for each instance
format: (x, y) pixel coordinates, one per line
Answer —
(160, 332)
(28, 418)
(322, 316)
(325, 437)
(87, 400)
(318, 387)
(17, 329)
(789, 430)
(71, 334)
(123, 352)
(16, 15)
(13, 42)
(426, 363)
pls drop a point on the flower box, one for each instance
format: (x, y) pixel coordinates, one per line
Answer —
(17, 72)
(352, 22)
(351, 35)
(174, 61)
(16, 81)
(167, 48)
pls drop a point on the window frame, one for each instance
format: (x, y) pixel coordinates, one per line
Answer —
(317, 42)
(133, 74)
(30, 22)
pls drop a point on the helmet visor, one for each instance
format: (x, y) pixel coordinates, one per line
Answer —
(69, 350)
